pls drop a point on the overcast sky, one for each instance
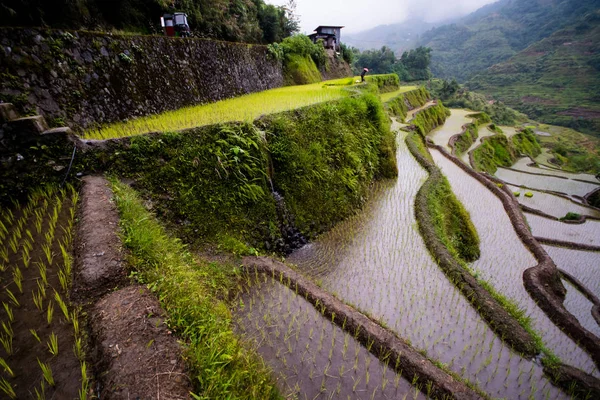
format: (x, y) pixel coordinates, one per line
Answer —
(358, 15)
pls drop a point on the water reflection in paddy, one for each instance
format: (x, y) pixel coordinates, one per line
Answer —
(453, 125)
(504, 258)
(585, 265)
(586, 233)
(378, 262)
(554, 205)
(522, 164)
(568, 186)
(578, 305)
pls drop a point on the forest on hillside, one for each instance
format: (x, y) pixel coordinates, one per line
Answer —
(249, 21)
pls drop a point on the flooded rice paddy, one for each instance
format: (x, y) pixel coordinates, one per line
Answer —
(378, 262)
(586, 233)
(554, 205)
(555, 184)
(504, 258)
(584, 265)
(523, 164)
(312, 358)
(453, 125)
(579, 305)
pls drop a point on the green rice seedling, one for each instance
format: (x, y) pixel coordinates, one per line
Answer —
(53, 344)
(47, 249)
(7, 389)
(6, 367)
(41, 394)
(41, 288)
(7, 343)
(50, 312)
(63, 306)
(63, 280)
(26, 258)
(42, 269)
(3, 230)
(18, 278)
(35, 335)
(4, 254)
(14, 244)
(75, 322)
(528, 194)
(47, 372)
(12, 298)
(83, 392)
(78, 349)
(9, 312)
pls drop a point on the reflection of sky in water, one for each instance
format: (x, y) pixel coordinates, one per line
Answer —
(567, 186)
(453, 126)
(522, 165)
(504, 258)
(586, 233)
(378, 262)
(551, 204)
(584, 265)
(578, 305)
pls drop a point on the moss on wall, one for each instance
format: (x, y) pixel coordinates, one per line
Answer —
(526, 142)
(300, 70)
(431, 117)
(324, 158)
(495, 151)
(385, 83)
(471, 133)
(216, 181)
(85, 78)
(400, 105)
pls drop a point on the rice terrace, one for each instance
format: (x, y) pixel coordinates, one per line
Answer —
(200, 202)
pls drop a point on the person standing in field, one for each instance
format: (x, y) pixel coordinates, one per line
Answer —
(363, 73)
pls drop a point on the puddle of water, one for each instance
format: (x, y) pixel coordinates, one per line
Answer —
(551, 204)
(567, 186)
(584, 265)
(578, 305)
(504, 258)
(377, 261)
(310, 356)
(522, 165)
(586, 233)
(453, 126)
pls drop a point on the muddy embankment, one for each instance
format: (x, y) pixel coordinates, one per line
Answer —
(133, 353)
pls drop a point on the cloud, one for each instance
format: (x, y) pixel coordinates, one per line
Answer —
(358, 15)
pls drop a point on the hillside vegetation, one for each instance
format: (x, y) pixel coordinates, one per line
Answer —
(556, 80)
(497, 32)
(250, 21)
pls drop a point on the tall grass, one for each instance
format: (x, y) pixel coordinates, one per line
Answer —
(189, 292)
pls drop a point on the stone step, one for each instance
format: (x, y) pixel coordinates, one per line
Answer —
(28, 126)
(8, 112)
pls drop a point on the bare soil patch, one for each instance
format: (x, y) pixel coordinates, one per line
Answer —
(580, 112)
(99, 258)
(139, 358)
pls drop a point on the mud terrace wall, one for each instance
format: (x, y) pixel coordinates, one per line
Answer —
(82, 78)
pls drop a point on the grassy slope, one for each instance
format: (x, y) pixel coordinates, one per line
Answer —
(556, 80)
(190, 293)
(497, 32)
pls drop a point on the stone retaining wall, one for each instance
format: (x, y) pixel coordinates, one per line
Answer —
(79, 79)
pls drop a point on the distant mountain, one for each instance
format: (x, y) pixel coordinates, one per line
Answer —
(398, 37)
(555, 80)
(497, 32)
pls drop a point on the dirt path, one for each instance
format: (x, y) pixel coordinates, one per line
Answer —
(135, 355)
